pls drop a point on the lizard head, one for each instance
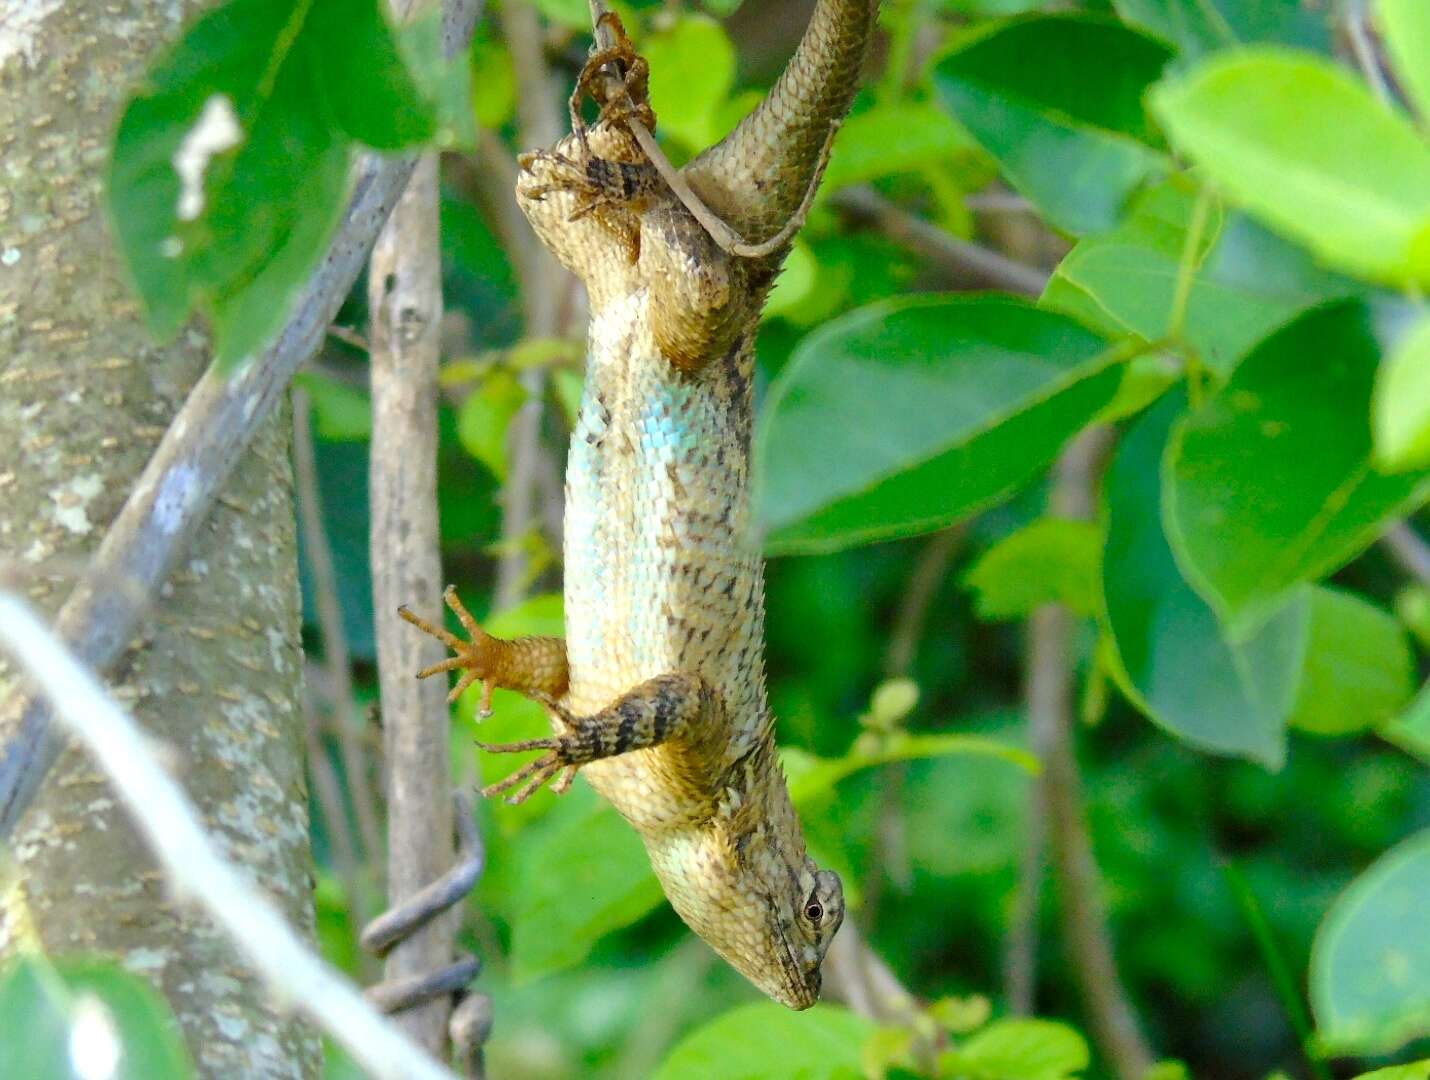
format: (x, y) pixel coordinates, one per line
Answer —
(805, 920)
(800, 916)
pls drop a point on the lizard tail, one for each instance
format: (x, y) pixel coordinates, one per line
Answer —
(756, 178)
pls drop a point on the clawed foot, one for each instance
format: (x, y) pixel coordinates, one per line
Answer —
(564, 753)
(475, 658)
(630, 100)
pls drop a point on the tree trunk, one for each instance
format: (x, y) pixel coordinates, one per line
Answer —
(214, 673)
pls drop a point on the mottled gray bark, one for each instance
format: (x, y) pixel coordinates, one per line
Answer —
(214, 671)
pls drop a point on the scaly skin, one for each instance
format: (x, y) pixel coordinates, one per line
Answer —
(660, 700)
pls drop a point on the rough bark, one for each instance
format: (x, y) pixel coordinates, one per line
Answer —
(214, 671)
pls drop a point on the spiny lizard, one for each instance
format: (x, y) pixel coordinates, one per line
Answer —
(658, 692)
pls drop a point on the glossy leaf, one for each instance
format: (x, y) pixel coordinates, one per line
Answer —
(927, 137)
(1052, 560)
(1416, 1070)
(1256, 122)
(1359, 671)
(486, 415)
(1401, 418)
(230, 164)
(1019, 1049)
(1057, 101)
(906, 415)
(1405, 25)
(1370, 964)
(1270, 483)
(1171, 655)
(86, 1018)
(1411, 729)
(692, 68)
(1198, 27)
(763, 1041)
(1246, 281)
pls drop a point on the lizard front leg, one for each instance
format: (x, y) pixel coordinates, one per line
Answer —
(534, 666)
(670, 708)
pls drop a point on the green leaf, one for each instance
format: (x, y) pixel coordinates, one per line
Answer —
(692, 68)
(1270, 483)
(86, 1017)
(1256, 121)
(1246, 281)
(1172, 658)
(446, 84)
(1411, 729)
(1416, 1070)
(927, 136)
(907, 414)
(1019, 1049)
(493, 82)
(765, 1041)
(1057, 101)
(1198, 27)
(341, 413)
(366, 89)
(1050, 561)
(1405, 25)
(796, 282)
(1359, 671)
(231, 162)
(810, 776)
(573, 14)
(485, 417)
(1400, 419)
(605, 883)
(1370, 963)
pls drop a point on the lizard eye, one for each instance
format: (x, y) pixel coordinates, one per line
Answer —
(813, 911)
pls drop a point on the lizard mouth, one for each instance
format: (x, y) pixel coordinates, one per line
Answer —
(801, 985)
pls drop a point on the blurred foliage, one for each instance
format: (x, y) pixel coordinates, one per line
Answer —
(1236, 221)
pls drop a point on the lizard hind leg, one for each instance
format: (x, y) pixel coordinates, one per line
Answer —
(535, 666)
(660, 710)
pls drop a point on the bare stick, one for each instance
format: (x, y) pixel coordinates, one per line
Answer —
(958, 257)
(405, 298)
(399, 995)
(446, 891)
(1364, 50)
(543, 284)
(330, 621)
(1050, 711)
(1408, 549)
(191, 861)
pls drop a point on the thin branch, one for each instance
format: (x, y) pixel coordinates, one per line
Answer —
(957, 257)
(330, 800)
(908, 630)
(1086, 933)
(1364, 50)
(446, 891)
(470, 1027)
(191, 861)
(330, 622)
(1408, 549)
(999, 202)
(405, 298)
(399, 995)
